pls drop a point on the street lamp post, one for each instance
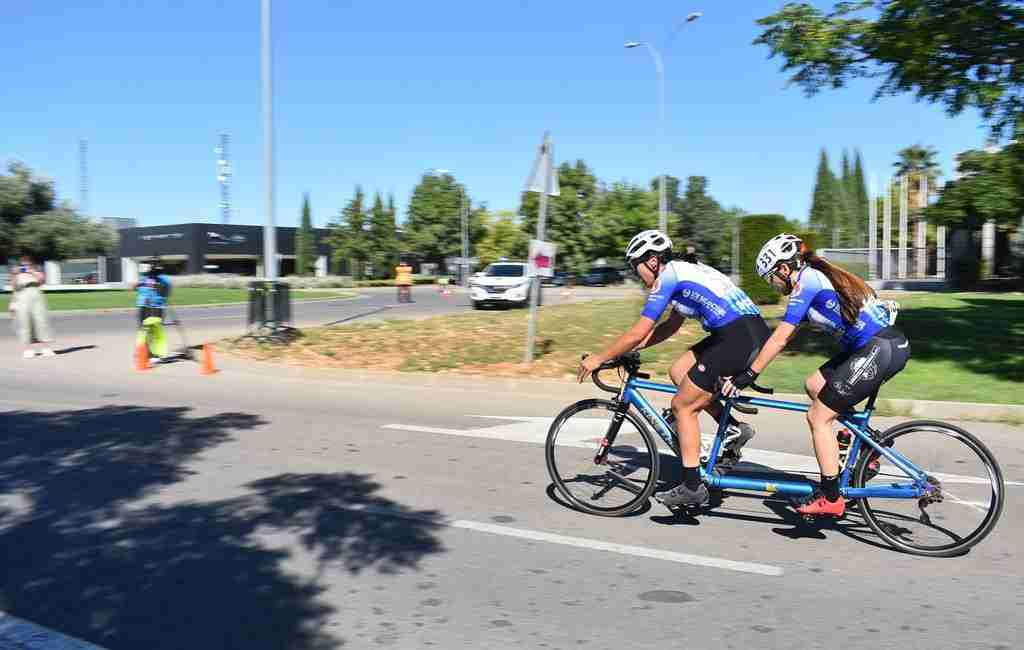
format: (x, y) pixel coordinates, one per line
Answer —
(269, 233)
(659, 67)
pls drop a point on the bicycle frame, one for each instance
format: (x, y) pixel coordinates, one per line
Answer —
(856, 422)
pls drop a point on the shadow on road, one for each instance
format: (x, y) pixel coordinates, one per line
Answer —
(76, 348)
(353, 317)
(80, 558)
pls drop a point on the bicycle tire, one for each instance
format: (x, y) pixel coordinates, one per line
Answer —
(948, 550)
(642, 493)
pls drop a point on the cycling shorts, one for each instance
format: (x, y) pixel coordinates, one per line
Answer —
(852, 376)
(728, 351)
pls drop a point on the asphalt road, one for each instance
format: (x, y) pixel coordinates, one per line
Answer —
(265, 508)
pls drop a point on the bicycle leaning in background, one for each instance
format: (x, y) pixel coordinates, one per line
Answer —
(925, 487)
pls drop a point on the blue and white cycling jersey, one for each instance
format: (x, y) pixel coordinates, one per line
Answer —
(697, 290)
(815, 300)
(153, 292)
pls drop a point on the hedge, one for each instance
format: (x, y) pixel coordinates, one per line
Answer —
(810, 239)
(755, 230)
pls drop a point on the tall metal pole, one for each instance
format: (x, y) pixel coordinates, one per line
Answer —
(902, 263)
(887, 231)
(269, 232)
(465, 236)
(872, 230)
(83, 176)
(541, 221)
(662, 191)
(736, 250)
(660, 69)
(223, 152)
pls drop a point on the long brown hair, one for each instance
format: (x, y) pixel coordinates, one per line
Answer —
(852, 291)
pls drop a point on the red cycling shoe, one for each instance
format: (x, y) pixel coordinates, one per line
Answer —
(817, 505)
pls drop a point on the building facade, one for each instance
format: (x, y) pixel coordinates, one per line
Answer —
(194, 248)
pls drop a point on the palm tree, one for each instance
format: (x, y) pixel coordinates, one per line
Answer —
(917, 160)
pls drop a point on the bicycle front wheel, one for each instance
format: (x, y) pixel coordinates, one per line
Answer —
(612, 486)
(967, 490)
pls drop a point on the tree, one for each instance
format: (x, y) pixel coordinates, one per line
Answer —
(305, 241)
(917, 160)
(957, 53)
(347, 235)
(861, 200)
(382, 239)
(846, 209)
(703, 216)
(433, 226)
(755, 230)
(60, 234)
(567, 215)
(504, 238)
(988, 187)
(847, 172)
(824, 203)
(618, 214)
(22, 193)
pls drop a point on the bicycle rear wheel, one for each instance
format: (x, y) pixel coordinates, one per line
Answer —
(627, 475)
(966, 502)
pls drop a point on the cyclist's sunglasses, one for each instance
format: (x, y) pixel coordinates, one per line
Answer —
(635, 264)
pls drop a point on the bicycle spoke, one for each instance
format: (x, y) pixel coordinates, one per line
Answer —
(626, 476)
(941, 522)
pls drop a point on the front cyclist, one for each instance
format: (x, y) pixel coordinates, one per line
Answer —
(737, 332)
(872, 351)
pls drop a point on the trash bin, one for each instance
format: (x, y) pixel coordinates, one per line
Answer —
(270, 305)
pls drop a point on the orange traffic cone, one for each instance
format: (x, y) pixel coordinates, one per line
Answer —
(141, 357)
(207, 368)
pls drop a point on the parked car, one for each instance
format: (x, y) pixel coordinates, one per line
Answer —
(600, 276)
(501, 283)
(560, 279)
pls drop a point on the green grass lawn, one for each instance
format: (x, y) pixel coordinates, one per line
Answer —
(964, 346)
(101, 299)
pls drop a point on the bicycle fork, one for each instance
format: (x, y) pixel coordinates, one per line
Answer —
(612, 433)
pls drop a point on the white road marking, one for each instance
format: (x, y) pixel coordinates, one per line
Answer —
(623, 549)
(584, 432)
(583, 542)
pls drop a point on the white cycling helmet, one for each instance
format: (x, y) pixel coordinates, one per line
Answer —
(648, 241)
(778, 249)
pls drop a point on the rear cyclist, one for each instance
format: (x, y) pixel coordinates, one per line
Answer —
(737, 332)
(871, 350)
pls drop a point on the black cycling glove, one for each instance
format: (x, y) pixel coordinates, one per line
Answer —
(744, 379)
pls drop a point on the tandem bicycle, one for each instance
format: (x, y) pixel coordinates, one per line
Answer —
(925, 487)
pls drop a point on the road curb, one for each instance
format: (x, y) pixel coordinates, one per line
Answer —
(923, 409)
(115, 310)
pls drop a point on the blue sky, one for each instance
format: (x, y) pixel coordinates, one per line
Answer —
(376, 92)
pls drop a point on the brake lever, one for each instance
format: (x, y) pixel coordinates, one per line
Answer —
(762, 389)
(743, 408)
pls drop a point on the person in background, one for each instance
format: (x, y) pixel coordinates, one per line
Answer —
(152, 292)
(403, 280)
(28, 307)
